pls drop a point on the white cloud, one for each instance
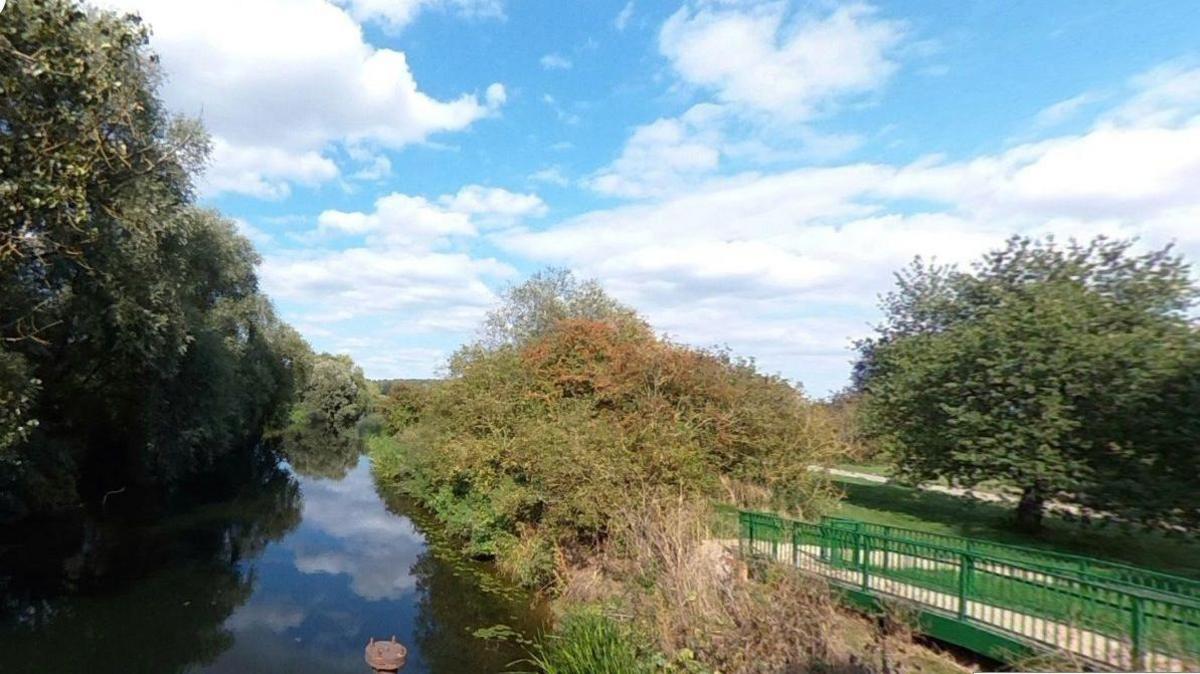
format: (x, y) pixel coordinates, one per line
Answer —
(415, 267)
(256, 236)
(399, 220)
(756, 55)
(555, 62)
(787, 265)
(263, 171)
(1168, 94)
(660, 157)
(414, 221)
(279, 80)
(492, 205)
(1057, 113)
(341, 285)
(551, 175)
(623, 17)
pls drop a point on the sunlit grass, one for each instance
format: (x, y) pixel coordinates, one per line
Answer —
(937, 513)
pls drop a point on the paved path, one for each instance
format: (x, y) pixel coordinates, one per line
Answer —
(1094, 647)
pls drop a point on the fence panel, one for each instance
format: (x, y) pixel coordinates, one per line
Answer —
(1084, 614)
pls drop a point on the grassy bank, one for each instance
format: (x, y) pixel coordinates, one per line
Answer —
(934, 512)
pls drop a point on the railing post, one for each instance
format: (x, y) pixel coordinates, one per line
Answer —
(1137, 635)
(775, 542)
(864, 560)
(966, 566)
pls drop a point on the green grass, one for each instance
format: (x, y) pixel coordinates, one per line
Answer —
(589, 642)
(944, 514)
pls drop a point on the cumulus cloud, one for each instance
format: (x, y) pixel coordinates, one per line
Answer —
(787, 265)
(493, 205)
(661, 156)
(414, 221)
(262, 171)
(276, 81)
(341, 285)
(794, 66)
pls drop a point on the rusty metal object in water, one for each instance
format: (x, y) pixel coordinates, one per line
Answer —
(386, 656)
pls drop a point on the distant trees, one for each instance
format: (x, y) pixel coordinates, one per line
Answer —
(1071, 372)
(323, 437)
(134, 344)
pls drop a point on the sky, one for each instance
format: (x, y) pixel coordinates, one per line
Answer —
(743, 173)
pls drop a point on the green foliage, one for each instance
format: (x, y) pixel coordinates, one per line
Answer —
(589, 642)
(136, 346)
(533, 308)
(324, 435)
(1070, 372)
(335, 395)
(532, 447)
(405, 401)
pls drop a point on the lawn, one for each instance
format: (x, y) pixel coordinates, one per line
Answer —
(943, 514)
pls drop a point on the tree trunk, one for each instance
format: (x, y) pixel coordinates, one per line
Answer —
(1030, 509)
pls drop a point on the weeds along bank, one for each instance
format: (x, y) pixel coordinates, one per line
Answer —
(581, 452)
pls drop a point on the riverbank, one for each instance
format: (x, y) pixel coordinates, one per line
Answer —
(661, 594)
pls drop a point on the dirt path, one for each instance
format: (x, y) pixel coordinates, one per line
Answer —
(985, 496)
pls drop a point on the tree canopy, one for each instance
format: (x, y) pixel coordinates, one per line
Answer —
(1071, 372)
(134, 343)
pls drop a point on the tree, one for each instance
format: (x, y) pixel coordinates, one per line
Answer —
(135, 347)
(336, 395)
(533, 308)
(1066, 371)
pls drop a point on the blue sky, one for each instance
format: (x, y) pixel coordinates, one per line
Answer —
(743, 173)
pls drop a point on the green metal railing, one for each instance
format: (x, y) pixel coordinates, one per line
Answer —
(1097, 570)
(1110, 625)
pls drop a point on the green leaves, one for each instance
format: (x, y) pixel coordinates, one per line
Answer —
(131, 319)
(1072, 368)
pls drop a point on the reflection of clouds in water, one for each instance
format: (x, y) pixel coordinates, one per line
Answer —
(374, 547)
(275, 618)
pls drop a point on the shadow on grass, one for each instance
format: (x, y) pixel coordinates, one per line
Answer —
(942, 513)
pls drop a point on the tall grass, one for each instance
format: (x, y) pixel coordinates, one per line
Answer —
(589, 642)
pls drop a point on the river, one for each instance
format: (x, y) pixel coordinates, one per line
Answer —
(292, 575)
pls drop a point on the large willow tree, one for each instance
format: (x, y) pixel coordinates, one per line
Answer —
(134, 344)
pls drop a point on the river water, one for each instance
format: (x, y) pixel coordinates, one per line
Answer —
(292, 575)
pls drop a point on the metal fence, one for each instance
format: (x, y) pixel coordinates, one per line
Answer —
(1087, 568)
(1102, 623)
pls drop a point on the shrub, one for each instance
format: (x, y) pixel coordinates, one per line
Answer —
(589, 642)
(538, 440)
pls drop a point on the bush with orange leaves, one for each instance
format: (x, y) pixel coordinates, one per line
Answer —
(532, 447)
